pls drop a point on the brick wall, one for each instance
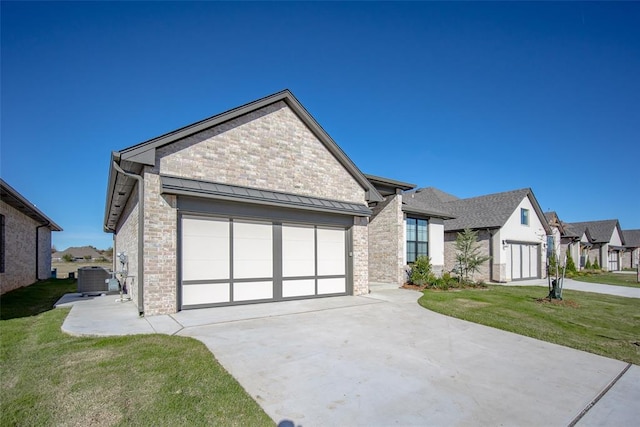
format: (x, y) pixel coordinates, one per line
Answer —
(126, 240)
(360, 236)
(20, 250)
(269, 148)
(450, 254)
(386, 246)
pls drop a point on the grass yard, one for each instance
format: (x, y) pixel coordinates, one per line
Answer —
(618, 279)
(601, 324)
(51, 378)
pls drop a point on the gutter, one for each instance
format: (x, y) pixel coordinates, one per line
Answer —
(140, 234)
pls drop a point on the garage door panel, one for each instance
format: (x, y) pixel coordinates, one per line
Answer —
(516, 264)
(247, 291)
(525, 263)
(252, 250)
(298, 251)
(298, 288)
(331, 252)
(206, 293)
(205, 253)
(332, 286)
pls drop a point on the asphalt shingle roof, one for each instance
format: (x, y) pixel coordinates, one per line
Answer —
(631, 238)
(600, 231)
(488, 211)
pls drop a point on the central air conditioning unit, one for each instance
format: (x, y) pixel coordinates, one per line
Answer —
(93, 280)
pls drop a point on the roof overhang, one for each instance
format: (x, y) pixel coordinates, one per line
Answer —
(386, 186)
(221, 191)
(617, 248)
(10, 196)
(426, 212)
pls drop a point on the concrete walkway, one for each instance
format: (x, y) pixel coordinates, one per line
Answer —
(576, 285)
(383, 360)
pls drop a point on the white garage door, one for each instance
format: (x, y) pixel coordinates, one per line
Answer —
(226, 261)
(524, 261)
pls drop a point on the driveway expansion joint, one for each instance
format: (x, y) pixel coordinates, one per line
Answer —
(600, 396)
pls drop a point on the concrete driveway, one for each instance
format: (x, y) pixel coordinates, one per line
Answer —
(383, 360)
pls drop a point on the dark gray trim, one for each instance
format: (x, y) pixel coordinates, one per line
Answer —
(538, 253)
(277, 266)
(220, 191)
(426, 213)
(386, 186)
(225, 208)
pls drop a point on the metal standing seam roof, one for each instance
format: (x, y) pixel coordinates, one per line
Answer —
(119, 187)
(214, 190)
(10, 196)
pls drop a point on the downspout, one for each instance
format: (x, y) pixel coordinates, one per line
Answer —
(38, 248)
(140, 234)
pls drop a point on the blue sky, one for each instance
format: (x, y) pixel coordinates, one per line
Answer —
(472, 98)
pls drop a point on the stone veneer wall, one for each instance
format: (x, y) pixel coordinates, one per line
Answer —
(20, 250)
(450, 253)
(386, 231)
(269, 148)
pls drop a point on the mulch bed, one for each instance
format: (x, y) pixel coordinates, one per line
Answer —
(560, 302)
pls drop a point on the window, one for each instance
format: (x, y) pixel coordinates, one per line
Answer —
(2, 244)
(416, 238)
(551, 246)
(524, 216)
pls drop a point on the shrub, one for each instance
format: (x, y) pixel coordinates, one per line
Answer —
(421, 271)
(587, 265)
(67, 258)
(468, 254)
(595, 265)
(570, 265)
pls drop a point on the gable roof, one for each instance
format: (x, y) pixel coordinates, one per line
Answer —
(599, 231)
(631, 238)
(10, 196)
(119, 186)
(490, 211)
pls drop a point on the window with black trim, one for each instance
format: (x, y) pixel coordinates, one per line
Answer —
(417, 239)
(524, 216)
(2, 244)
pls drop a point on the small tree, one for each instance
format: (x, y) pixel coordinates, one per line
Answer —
(67, 258)
(468, 256)
(553, 264)
(587, 265)
(571, 266)
(595, 265)
(421, 271)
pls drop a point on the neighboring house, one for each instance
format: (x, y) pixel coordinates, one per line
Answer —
(631, 256)
(601, 241)
(400, 231)
(564, 239)
(511, 228)
(255, 204)
(78, 254)
(25, 241)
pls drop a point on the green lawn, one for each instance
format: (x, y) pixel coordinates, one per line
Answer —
(618, 279)
(600, 324)
(51, 378)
